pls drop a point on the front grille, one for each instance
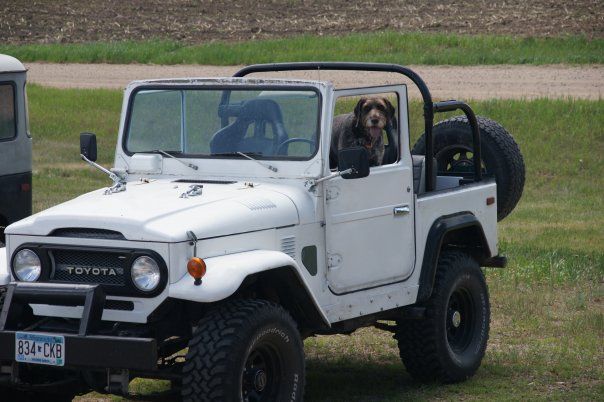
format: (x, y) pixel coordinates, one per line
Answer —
(94, 267)
(88, 233)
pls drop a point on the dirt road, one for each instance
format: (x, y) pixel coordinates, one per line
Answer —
(446, 82)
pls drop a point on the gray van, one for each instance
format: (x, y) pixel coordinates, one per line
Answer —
(15, 144)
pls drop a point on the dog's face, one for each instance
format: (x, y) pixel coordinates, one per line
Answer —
(373, 114)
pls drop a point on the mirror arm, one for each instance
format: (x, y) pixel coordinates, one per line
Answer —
(111, 175)
(119, 179)
(312, 183)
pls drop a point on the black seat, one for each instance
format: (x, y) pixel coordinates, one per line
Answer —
(419, 173)
(260, 113)
(391, 149)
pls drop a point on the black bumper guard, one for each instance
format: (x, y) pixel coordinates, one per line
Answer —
(83, 349)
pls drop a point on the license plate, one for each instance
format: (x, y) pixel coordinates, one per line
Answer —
(40, 348)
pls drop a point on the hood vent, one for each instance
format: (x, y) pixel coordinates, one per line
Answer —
(258, 204)
(288, 246)
(88, 233)
(204, 181)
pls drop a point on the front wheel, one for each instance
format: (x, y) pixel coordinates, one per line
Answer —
(449, 344)
(245, 350)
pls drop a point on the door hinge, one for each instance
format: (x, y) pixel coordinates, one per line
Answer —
(332, 193)
(334, 260)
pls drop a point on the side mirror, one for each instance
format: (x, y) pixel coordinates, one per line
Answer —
(88, 145)
(355, 161)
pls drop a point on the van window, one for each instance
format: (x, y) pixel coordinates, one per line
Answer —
(7, 112)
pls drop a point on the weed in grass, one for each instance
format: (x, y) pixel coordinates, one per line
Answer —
(388, 47)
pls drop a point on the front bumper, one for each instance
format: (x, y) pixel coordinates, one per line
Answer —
(84, 350)
(96, 352)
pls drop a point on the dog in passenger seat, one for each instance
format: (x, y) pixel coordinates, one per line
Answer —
(363, 127)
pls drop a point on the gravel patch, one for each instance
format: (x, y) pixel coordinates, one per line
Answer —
(445, 82)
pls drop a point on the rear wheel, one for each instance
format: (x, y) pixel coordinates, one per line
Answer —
(245, 350)
(449, 344)
(501, 156)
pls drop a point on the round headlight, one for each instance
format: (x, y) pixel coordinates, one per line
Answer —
(145, 273)
(27, 265)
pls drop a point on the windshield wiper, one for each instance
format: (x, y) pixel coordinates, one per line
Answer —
(248, 156)
(160, 151)
(245, 155)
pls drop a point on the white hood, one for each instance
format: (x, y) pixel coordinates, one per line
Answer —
(155, 212)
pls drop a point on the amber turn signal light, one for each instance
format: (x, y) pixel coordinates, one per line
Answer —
(197, 269)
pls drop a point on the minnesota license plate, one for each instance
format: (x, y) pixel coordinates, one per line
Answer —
(40, 348)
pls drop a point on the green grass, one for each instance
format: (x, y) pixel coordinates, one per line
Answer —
(388, 47)
(547, 306)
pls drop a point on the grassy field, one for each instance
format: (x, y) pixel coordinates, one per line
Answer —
(390, 47)
(547, 306)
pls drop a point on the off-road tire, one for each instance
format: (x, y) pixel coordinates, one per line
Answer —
(229, 346)
(434, 348)
(501, 155)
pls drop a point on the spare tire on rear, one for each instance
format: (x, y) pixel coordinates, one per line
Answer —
(501, 156)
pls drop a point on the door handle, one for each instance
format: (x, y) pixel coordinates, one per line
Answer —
(403, 210)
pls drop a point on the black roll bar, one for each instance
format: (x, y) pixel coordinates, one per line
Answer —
(429, 107)
(449, 106)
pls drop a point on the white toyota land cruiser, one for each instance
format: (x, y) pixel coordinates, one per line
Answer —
(227, 238)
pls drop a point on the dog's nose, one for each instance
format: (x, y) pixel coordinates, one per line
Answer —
(374, 121)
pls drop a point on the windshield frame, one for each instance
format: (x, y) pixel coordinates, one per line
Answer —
(225, 87)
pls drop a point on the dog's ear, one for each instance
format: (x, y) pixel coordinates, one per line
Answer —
(390, 109)
(358, 110)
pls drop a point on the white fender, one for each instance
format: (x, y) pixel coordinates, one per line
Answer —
(225, 274)
(4, 272)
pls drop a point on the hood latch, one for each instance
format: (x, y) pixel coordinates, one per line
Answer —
(193, 191)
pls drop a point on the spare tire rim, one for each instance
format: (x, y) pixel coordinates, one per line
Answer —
(261, 374)
(457, 159)
(460, 320)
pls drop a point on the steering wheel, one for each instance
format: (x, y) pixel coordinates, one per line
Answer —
(285, 144)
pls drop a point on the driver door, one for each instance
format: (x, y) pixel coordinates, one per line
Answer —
(370, 220)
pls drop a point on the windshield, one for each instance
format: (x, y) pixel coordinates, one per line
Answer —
(267, 124)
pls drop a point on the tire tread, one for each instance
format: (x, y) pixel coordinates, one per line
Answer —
(418, 339)
(207, 361)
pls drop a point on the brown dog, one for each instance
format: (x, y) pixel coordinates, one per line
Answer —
(363, 127)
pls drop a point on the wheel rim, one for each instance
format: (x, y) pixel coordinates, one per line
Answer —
(457, 159)
(261, 374)
(461, 319)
